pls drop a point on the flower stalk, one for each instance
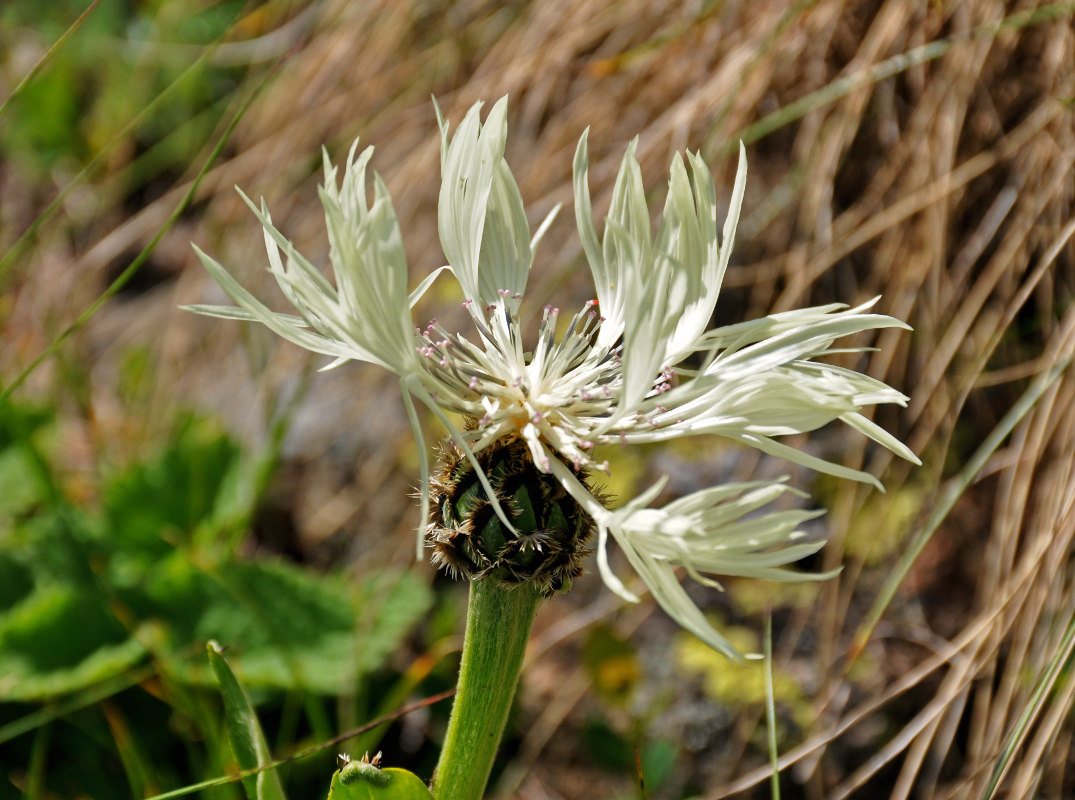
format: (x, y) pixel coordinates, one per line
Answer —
(499, 619)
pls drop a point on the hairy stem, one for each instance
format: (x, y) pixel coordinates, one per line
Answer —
(498, 628)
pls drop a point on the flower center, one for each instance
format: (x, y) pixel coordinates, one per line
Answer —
(551, 396)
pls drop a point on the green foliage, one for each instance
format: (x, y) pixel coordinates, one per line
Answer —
(23, 480)
(625, 755)
(97, 598)
(59, 639)
(195, 490)
(123, 58)
(881, 528)
(657, 759)
(287, 628)
(753, 597)
(86, 597)
(605, 746)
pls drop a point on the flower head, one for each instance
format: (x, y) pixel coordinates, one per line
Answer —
(614, 376)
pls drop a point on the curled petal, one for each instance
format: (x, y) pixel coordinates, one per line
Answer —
(712, 532)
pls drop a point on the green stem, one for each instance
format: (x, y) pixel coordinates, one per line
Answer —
(498, 628)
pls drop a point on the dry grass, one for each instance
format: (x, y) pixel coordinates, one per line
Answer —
(946, 188)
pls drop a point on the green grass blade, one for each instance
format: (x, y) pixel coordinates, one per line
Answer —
(35, 783)
(947, 499)
(26, 239)
(140, 259)
(1058, 667)
(41, 62)
(247, 739)
(183, 791)
(84, 699)
(770, 707)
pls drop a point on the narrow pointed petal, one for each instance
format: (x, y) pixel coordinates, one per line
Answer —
(712, 532)
(280, 324)
(483, 228)
(714, 264)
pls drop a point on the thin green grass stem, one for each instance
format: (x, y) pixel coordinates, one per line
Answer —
(1044, 690)
(498, 628)
(136, 264)
(946, 500)
(41, 62)
(27, 237)
(770, 707)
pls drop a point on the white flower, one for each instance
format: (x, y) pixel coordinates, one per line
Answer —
(615, 376)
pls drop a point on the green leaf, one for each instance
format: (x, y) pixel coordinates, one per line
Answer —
(26, 433)
(286, 627)
(59, 639)
(361, 781)
(244, 732)
(17, 494)
(196, 485)
(16, 581)
(58, 630)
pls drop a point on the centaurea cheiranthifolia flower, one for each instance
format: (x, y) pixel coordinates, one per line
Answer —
(615, 376)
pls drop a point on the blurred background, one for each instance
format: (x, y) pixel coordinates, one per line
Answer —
(166, 479)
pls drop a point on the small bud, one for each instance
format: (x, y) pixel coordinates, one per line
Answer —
(468, 538)
(363, 772)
